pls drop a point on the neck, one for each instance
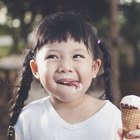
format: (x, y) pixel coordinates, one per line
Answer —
(58, 104)
(78, 110)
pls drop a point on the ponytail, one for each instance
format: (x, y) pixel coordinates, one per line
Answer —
(107, 69)
(22, 93)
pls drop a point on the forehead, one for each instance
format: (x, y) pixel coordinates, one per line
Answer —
(64, 47)
(70, 44)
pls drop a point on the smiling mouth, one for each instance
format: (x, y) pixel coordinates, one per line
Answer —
(68, 82)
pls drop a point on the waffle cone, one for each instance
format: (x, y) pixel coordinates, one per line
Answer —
(130, 119)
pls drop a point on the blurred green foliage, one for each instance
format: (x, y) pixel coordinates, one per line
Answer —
(4, 51)
(130, 30)
(22, 16)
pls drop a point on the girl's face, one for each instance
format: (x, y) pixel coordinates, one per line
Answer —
(65, 69)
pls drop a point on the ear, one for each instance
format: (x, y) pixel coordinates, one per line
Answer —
(34, 69)
(96, 67)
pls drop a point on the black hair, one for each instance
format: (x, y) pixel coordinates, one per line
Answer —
(59, 27)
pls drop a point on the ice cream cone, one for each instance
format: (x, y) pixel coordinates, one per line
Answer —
(130, 118)
(130, 108)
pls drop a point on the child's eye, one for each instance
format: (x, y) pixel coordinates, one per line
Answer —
(52, 57)
(78, 56)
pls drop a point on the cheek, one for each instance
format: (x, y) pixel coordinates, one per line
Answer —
(86, 74)
(46, 72)
(86, 69)
(45, 78)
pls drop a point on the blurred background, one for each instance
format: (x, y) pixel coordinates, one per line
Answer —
(115, 21)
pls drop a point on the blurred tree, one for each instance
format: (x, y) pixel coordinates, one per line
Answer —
(23, 14)
(114, 40)
(131, 31)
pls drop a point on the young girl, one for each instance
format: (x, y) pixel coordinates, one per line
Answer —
(65, 57)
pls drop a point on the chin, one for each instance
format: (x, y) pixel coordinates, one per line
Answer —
(69, 98)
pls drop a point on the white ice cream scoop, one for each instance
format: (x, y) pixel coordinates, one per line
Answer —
(130, 101)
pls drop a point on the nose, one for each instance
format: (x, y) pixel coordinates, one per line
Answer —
(65, 67)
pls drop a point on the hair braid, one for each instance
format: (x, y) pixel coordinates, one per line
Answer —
(22, 93)
(107, 69)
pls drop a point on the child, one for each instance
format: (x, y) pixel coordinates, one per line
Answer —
(65, 57)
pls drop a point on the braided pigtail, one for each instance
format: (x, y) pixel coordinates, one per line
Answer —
(107, 69)
(22, 93)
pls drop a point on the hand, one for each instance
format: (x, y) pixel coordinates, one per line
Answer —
(132, 135)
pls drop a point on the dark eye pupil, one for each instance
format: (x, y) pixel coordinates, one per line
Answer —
(78, 56)
(51, 56)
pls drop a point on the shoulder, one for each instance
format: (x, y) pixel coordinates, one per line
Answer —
(37, 102)
(105, 106)
(112, 112)
(109, 112)
(110, 105)
(110, 116)
(33, 111)
(111, 108)
(35, 107)
(29, 116)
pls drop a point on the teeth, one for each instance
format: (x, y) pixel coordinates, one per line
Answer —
(62, 82)
(65, 82)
